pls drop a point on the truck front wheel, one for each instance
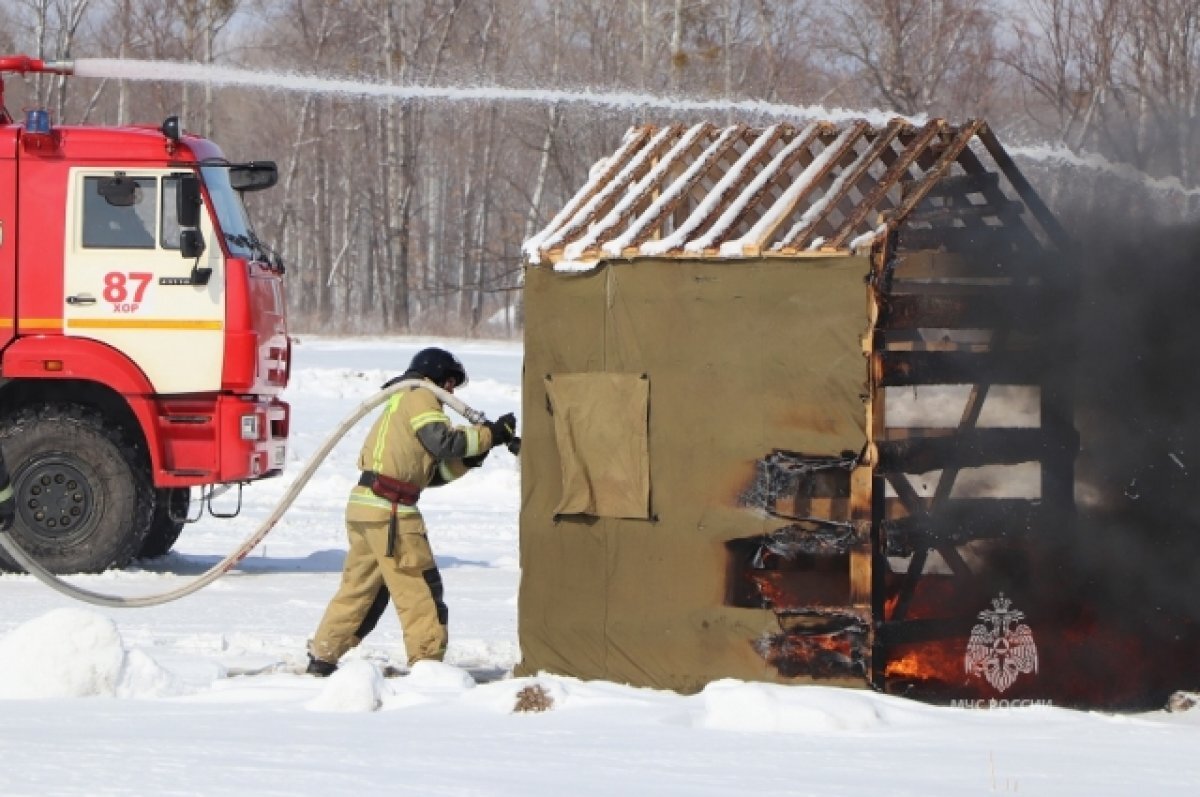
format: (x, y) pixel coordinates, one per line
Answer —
(83, 491)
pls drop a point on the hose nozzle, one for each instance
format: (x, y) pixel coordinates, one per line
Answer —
(24, 64)
(62, 66)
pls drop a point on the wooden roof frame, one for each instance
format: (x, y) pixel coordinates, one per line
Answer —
(821, 189)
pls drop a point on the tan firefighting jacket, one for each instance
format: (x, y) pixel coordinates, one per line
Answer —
(413, 440)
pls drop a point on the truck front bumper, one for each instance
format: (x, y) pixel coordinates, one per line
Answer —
(222, 438)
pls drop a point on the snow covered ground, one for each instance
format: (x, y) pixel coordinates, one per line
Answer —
(142, 701)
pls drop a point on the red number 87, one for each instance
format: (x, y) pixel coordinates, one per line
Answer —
(115, 282)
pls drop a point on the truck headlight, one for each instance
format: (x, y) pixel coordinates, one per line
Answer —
(249, 427)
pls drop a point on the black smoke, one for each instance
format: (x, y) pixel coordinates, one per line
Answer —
(1136, 340)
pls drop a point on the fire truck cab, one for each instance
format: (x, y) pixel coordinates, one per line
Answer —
(143, 340)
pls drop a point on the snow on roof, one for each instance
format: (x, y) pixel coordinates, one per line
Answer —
(827, 187)
(704, 210)
(653, 176)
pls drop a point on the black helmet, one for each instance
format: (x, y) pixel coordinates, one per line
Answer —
(438, 365)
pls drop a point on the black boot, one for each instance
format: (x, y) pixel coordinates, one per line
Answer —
(321, 669)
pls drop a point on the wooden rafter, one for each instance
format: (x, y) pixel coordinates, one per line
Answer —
(888, 181)
(651, 220)
(783, 163)
(849, 179)
(632, 142)
(604, 199)
(803, 187)
(640, 193)
(727, 187)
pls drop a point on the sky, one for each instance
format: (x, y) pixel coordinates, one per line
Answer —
(156, 701)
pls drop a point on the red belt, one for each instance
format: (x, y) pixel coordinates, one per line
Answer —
(389, 489)
(395, 492)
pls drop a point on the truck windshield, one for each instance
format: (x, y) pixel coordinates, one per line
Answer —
(231, 213)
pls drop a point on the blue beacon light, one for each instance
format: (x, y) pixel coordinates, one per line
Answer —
(37, 121)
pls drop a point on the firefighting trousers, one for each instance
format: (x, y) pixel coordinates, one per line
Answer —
(411, 577)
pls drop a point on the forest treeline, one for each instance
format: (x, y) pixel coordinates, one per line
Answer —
(407, 215)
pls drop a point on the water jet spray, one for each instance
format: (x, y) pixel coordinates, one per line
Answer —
(186, 72)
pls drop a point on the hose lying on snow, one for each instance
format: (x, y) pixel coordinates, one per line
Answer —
(227, 564)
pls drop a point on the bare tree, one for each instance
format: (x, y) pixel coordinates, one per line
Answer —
(1115, 77)
(1048, 54)
(7, 24)
(1165, 65)
(200, 23)
(918, 56)
(55, 26)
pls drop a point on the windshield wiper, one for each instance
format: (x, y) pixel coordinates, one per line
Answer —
(248, 242)
(269, 254)
(260, 250)
(239, 239)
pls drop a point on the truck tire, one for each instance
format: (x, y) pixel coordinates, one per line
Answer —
(170, 503)
(83, 490)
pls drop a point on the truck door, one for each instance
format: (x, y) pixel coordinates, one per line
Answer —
(8, 245)
(127, 285)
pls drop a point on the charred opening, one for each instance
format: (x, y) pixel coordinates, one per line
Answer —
(802, 570)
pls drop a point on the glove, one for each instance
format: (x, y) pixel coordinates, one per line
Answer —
(8, 511)
(503, 429)
(475, 461)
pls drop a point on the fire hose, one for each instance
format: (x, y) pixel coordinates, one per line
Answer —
(240, 553)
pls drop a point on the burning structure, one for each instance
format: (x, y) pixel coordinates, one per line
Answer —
(798, 406)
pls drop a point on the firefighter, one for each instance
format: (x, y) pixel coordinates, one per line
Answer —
(411, 446)
(8, 506)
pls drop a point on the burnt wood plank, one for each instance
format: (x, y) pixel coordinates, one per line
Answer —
(923, 265)
(895, 632)
(801, 154)
(958, 185)
(1006, 211)
(978, 239)
(984, 308)
(905, 368)
(970, 448)
(957, 521)
(970, 162)
(1034, 202)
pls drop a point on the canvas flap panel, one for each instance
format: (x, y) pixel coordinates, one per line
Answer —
(600, 426)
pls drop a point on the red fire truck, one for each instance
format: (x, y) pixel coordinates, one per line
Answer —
(143, 342)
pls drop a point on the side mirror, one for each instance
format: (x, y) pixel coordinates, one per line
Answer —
(191, 243)
(253, 176)
(188, 201)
